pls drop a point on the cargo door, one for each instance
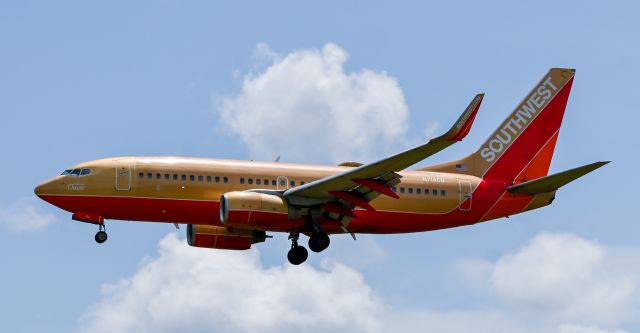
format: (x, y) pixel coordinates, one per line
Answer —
(465, 195)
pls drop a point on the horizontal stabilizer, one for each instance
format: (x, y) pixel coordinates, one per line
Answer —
(553, 182)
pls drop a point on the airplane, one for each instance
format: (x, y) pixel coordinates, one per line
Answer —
(229, 204)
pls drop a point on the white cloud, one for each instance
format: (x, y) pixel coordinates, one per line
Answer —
(305, 107)
(24, 215)
(567, 277)
(227, 291)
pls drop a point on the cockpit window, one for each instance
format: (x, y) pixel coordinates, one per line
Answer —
(76, 172)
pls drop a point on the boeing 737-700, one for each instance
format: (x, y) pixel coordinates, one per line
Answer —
(229, 204)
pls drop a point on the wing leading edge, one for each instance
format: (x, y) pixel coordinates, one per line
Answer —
(360, 185)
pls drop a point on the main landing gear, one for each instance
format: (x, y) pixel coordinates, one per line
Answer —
(101, 235)
(318, 242)
(298, 254)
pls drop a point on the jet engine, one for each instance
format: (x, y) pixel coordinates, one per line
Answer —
(254, 210)
(216, 237)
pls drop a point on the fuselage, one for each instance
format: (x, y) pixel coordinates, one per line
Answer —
(188, 190)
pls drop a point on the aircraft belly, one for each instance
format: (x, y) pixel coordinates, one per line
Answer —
(141, 209)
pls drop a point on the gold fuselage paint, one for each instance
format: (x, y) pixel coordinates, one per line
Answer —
(207, 179)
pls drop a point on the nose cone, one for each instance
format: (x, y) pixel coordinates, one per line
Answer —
(48, 187)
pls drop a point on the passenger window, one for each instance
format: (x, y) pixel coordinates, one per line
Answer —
(184, 177)
(426, 191)
(266, 182)
(293, 183)
(282, 182)
(410, 190)
(241, 180)
(141, 175)
(402, 190)
(434, 192)
(200, 178)
(273, 182)
(192, 178)
(149, 175)
(218, 179)
(65, 172)
(175, 176)
(258, 181)
(250, 180)
(443, 193)
(394, 189)
(418, 191)
(226, 179)
(301, 183)
(75, 172)
(158, 176)
(166, 176)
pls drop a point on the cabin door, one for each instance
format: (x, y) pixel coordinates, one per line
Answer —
(283, 183)
(123, 176)
(465, 195)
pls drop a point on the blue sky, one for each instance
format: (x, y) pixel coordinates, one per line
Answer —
(80, 81)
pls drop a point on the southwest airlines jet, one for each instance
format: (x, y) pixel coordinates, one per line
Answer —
(230, 204)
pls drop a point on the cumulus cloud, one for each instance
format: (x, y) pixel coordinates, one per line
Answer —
(566, 276)
(306, 107)
(24, 215)
(225, 291)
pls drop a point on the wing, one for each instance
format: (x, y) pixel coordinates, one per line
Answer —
(360, 185)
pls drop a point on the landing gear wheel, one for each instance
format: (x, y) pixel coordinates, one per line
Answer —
(319, 241)
(297, 255)
(101, 237)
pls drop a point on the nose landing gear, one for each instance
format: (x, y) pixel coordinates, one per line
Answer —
(101, 235)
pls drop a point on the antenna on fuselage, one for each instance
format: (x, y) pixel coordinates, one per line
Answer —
(277, 159)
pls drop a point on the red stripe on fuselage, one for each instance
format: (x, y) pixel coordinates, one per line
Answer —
(140, 209)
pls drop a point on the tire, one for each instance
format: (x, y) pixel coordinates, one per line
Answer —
(297, 255)
(319, 242)
(101, 237)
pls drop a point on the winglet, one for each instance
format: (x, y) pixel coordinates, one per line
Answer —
(555, 181)
(463, 125)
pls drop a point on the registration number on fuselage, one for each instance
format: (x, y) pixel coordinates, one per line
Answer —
(433, 179)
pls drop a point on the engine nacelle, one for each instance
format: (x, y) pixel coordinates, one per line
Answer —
(253, 210)
(215, 237)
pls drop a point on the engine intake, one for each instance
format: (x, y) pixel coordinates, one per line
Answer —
(215, 237)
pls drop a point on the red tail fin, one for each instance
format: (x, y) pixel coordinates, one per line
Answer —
(522, 147)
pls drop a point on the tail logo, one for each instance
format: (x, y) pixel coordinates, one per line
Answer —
(537, 100)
